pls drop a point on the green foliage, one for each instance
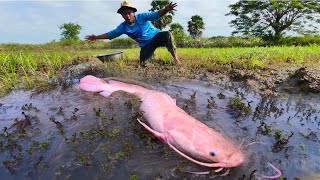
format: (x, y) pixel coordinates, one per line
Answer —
(182, 41)
(164, 20)
(220, 41)
(176, 28)
(271, 19)
(122, 43)
(300, 40)
(177, 31)
(239, 107)
(70, 31)
(195, 26)
(133, 177)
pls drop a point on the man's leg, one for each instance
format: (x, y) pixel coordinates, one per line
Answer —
(146, 53)
(165, 38)
(171, 47)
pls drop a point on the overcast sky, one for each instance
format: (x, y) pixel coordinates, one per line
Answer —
(38, 21)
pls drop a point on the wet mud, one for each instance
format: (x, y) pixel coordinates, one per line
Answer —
(80, 135)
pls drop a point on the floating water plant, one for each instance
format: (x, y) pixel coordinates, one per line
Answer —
(264, 129)
(74, 117)
(97, 111)
(303, 147)
(9, 164)
(105, 166)
(74, 137)
(85, 159)
(60, 111)
(212, 103)
(38, 145)
(221, 95)
(281, 142)
(133, 177)
(239, 107)
(193, 97)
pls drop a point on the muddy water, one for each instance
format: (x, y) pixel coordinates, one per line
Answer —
(80, 135)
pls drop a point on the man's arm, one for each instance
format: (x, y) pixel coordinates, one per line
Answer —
(95, 37)
(167, 8)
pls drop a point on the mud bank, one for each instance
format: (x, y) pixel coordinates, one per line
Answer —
(265, 81)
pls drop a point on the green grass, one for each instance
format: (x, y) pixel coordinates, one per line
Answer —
(25, 66)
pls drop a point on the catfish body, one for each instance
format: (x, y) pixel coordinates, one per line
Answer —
(186, 135)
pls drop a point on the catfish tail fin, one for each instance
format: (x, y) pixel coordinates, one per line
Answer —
(93, 84)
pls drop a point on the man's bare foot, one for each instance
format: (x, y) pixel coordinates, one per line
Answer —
(146, 64)
(178, 62)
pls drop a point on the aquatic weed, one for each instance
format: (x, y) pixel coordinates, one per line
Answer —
(85, 159)
(281, 142)
(74, 117)
(303, 147)
(105, 166)
(133, 177)
(239, 107)
(9, 164)
(74, 137)
(264, 128)
(60, 111)
(38, 145)
(212, 103)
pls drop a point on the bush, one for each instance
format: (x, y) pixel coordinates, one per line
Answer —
(74, 44)
(122, 43)
(300, 40)
(219, 41)
(182, 41)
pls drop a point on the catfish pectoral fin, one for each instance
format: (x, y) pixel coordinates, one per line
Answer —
(159, 135)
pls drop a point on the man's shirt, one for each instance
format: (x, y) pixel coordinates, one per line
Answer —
(141, 31)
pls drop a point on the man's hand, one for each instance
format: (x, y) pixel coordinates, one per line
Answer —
(90, 37)
(171, 6)
(93, 37)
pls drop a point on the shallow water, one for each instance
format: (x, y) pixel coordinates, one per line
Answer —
(110, 144)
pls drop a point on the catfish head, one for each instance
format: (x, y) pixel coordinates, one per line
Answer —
(201, 144)
(217, 150)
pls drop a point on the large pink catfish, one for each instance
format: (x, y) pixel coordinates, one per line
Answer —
(187, 136)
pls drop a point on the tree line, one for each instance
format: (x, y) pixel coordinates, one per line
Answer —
(270, 20)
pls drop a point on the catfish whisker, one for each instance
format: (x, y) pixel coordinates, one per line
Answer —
(254, 142)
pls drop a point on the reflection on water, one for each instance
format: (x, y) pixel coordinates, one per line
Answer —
(81, 135)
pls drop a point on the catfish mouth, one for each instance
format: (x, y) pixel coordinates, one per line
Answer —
(235, 159)
(231, 160)
(210, 164)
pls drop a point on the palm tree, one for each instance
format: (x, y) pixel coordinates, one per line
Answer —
(164, 20)
(195, 26)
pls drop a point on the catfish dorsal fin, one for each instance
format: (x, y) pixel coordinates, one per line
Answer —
(129, 81)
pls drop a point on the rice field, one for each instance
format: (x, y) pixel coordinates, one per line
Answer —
(100, 127)
(24, 68)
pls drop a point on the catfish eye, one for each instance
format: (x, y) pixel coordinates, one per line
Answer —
(212, 153)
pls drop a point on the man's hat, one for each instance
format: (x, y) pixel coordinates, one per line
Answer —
(126, 5)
